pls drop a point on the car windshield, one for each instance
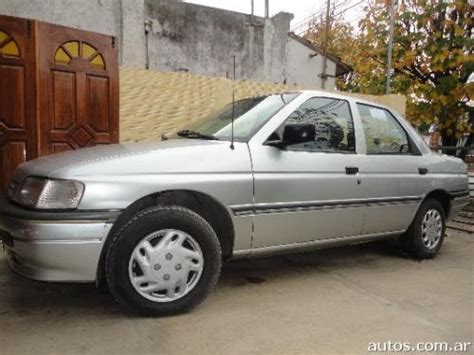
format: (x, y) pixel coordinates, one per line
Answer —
(249, 116)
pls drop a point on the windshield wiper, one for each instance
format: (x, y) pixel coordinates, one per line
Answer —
(194, 134)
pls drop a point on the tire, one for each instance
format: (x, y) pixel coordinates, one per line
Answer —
(416, 240)
(125, 259)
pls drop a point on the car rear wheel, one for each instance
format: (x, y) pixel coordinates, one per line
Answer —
(165, 260)
(425, 236)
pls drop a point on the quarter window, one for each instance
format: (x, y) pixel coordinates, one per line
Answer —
(383, 133)
(333, 125)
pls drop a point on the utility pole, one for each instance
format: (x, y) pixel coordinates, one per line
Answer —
(390, 44)
(267, 8)
(252, 13)
(325, 48)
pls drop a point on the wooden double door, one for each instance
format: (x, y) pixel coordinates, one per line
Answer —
(58, 91)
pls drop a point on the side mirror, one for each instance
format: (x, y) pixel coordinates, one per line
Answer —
(276, 143)
(296, 133)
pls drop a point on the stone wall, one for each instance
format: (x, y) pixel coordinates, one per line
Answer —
(154, 103)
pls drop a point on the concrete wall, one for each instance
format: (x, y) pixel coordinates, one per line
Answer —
(132, 33)
(154, 103)
(179, 37)
(98, 16)
(304, 69)
(170, 35)
(102, 16)
(203, 40)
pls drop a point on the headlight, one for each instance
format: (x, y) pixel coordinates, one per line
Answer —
(49, 194)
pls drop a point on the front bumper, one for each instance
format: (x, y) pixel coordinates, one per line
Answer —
(51, 246)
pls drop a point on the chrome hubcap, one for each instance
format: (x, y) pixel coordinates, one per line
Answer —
(431, 228)
(165, 265)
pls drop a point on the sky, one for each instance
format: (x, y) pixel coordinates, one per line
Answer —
(301, 9)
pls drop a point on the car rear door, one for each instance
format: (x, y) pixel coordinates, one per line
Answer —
(309, 191)
(395, 172)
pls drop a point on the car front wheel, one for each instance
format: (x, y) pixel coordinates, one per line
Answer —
(165, 260)
(425, 236)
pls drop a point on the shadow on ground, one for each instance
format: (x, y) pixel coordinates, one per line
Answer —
(22, 296)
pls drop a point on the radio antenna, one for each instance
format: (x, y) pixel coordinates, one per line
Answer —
(233, 107)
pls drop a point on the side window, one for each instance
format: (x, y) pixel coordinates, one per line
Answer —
(333, 124)
(383, 133)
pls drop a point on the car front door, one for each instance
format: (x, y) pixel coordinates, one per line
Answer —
(395, 172)
(309, 191)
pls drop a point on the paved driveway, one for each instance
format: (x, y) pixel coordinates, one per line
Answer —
(323, 302)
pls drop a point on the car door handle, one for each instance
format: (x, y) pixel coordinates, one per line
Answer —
(352, 170)
(422, 171)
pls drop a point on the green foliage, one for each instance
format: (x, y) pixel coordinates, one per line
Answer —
(432, 58)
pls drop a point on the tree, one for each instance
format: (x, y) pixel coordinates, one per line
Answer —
(341, 42)
(432, 60)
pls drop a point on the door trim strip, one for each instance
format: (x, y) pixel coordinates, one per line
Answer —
(267, 208)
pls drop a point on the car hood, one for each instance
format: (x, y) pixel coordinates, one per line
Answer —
(178, 155)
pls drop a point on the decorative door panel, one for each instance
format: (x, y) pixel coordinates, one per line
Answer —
(58, 91)
(98, 103)
(79, 80)
(63, 100)
(17, 105)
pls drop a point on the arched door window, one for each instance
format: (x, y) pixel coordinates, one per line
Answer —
(76, 49)
(8, 46)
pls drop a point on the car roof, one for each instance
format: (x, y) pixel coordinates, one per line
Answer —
(345, 96)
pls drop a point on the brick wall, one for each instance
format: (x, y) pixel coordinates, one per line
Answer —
(154, 103)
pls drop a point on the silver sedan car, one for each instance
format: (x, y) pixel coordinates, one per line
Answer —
(266, 175)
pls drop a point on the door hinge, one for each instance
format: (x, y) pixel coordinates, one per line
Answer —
(113, 41)
(29, 27)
